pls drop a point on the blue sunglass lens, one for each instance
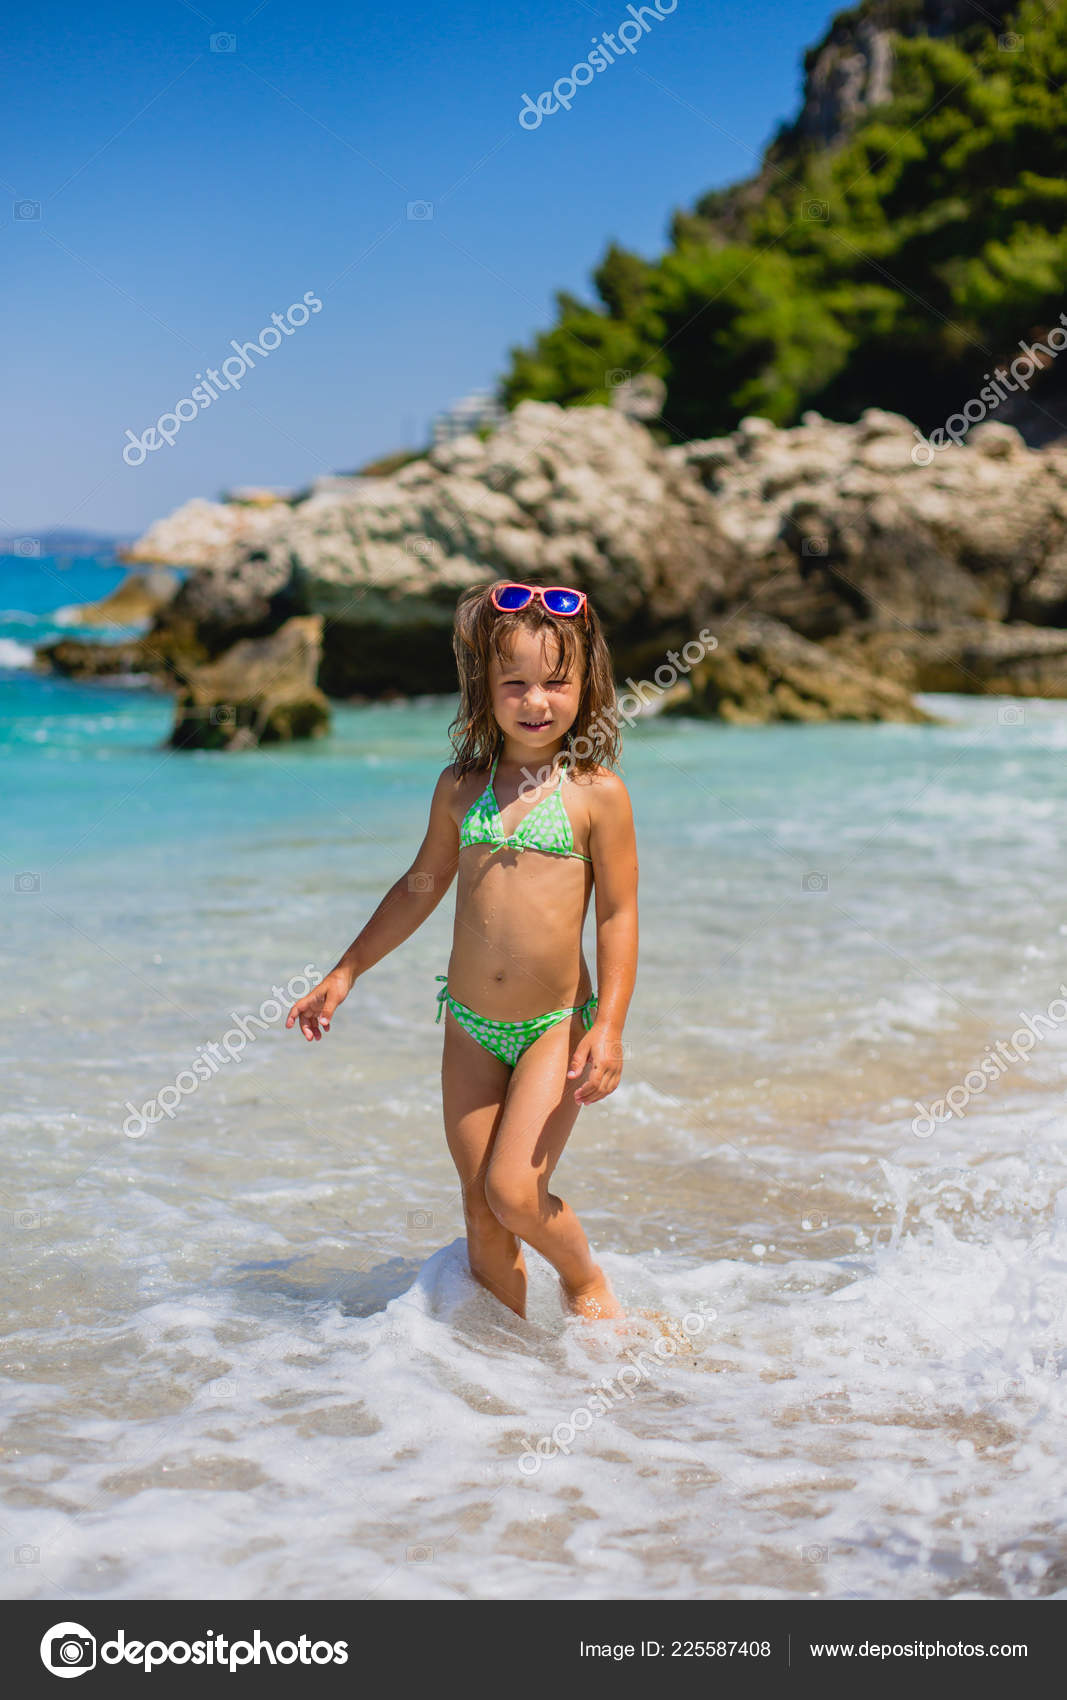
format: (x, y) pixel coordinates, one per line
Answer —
(562, 601)
(512, 597)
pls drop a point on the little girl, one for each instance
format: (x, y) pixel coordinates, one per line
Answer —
(533, 818)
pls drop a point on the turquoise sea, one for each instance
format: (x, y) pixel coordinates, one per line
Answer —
(244, 1357)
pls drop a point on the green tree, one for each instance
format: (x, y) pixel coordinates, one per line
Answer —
(892, 266)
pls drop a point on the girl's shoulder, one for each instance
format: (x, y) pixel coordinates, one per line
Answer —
(604, 795)
(602, 780)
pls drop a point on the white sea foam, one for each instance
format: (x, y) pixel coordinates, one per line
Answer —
(15, 655)
(886, 1427)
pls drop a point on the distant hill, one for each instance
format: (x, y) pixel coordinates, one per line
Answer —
(59, 542)
(903, 234)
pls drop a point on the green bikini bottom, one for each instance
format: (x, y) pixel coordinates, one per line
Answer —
(509, 1039)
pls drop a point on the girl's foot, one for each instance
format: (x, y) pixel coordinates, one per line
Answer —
(594, 1301)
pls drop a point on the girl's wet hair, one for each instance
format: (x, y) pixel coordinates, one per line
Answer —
(480, 631)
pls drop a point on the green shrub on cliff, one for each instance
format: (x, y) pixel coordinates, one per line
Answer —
(893, 266)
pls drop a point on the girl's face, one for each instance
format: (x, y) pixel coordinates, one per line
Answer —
(535, 699)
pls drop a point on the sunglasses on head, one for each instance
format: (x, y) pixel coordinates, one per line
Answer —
(557, 598)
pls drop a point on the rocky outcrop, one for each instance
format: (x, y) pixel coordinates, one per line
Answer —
(847, 75)
(851, 70)
(835, 526)
(200, 533)
(825, 526)
(761, 671)
(138, 599)
(261, 691)
(580, 496)
(922, 576)
(73, 658)
(971, 657)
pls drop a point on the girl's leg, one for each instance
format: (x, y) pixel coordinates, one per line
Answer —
(539, 1113)
(474, 1084)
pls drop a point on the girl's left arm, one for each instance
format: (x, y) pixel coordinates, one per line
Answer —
(613, 849)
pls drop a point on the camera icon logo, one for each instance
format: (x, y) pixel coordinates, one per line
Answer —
(27, 882)
(420, 882)
(1010, 1389)
(1010, 43)
(1011, 714)
(420, 546)
(816, 881)
(420, 209)
(68, 1649)
(223, 42)
(814, 546)
(817, 209)
(420, 1218)
(614, 379)
(27, 209)
(28, 548)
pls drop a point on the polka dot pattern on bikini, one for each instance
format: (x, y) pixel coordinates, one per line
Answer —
(547, 827)
(509, 1039)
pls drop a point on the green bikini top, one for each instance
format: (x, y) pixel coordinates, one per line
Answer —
(547, 827)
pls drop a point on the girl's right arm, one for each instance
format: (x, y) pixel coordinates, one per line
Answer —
(404, 907)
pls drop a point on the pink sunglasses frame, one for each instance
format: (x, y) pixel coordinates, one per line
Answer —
(539, 591)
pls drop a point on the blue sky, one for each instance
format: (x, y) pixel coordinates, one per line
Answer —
(187, 194)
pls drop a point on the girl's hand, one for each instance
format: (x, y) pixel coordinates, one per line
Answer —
(319, 1004)
(601, 1050)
